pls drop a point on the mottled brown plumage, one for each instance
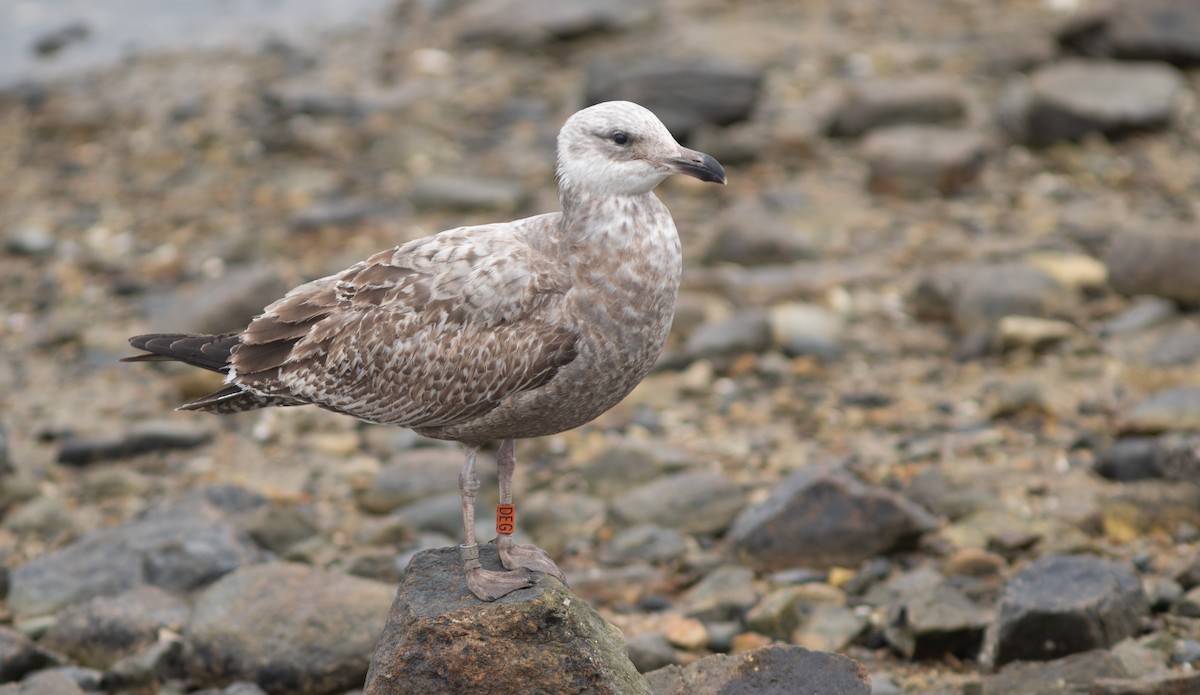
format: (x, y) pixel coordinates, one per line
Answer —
(493, 332)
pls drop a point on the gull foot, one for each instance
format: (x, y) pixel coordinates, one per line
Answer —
(488, 585)
(530, 557)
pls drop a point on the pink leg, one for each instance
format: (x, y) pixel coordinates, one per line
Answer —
(512, 555)
(487, 585)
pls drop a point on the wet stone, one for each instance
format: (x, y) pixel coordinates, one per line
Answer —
(872, 104)
(650, 651)
(1167, 30)
(1061, 605)
(144, 437)
(278, 527)
(1032, 333)
(31, 242)
(530, 23)
(1071, 98)
(645, 543)
(467, 194)
(19, 655)
(1186, 651)
(973, 295)
(334, 213)
(1171, 409)
(830, 628)
(683, 95)
(752, 233)
(936, 622)
(176, 549)
(441, 639)
(917, 160)
(824, 518)
(1188, 572)
(1141, 314)
(1132, 458)
(1188, 605)
(799, 329)
(223, 303)
(146, 668)
(441, 513)
(726, 593)
(700, 502)
(558, 519)
(1178, 346)
(772, 670)
(1148, 507)
(47, 516)
(43, 683)
(1170, 684)
(1162, 592)
(239, 688)
(1157, 261)
(290, 628)
(414, 475)
(744, 332)
(1074, 673)
(98, 633)
(626, 464)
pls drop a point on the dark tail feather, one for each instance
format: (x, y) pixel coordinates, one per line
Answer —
(232, 399)
(205, 351)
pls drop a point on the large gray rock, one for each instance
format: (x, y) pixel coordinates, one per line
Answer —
(935, 621)
(414, 475)
(751, 232)
(144, 437)
(876, 103)
(1167, 30)
(822, 518)
(684, 95)
(467, 194)
(289, 628)
(43, 683)
(774, 670)
(439, 638)
(1069, 99)
(912, 160)
(1064, 604)
(1170, 409)
(744, 332)
(693, 502)
(530, 23)
(19, 655)
(975, 295)
(1070, 674)
(107, 628)
(1159, 261)
(176, 549)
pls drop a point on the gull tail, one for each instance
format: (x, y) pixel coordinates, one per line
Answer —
(211, 352)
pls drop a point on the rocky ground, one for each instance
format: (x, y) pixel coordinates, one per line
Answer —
(931, 400)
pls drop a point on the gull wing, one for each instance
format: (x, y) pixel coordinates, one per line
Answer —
(432, 333)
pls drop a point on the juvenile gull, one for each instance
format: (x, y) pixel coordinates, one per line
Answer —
(494, 332)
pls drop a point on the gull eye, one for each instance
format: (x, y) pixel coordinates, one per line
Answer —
(620, 137)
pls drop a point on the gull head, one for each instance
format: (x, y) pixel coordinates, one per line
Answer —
(621, 148)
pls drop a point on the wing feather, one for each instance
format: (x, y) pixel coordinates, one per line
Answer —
(432, 333)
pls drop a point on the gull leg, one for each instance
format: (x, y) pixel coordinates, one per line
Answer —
(487, 585)
(512, 555)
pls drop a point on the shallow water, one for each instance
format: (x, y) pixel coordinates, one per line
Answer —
(118, 28)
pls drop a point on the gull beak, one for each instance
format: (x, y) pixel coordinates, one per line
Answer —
(697, 164)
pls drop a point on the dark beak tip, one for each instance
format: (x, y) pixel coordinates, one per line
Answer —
(701, 166)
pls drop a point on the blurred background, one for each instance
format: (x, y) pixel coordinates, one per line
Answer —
(937, 333)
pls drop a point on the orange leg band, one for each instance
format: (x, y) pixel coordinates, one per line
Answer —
(506, 518)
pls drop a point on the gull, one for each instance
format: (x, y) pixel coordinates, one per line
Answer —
(486, 333)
